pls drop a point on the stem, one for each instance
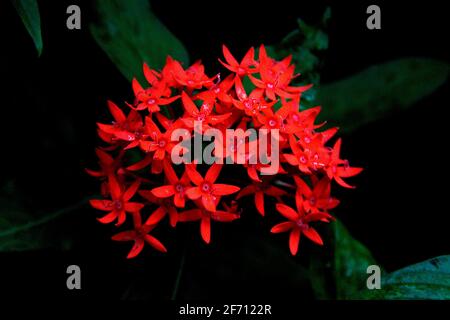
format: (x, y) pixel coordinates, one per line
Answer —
(180, 272)
(44, 219)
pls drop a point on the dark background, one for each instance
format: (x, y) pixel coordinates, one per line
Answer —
(49, 107)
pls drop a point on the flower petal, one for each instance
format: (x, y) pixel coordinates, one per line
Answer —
(114, 187)
(213, 173)
(155, 243)
(105, 205)
(224, 216)
(291, 159)
(294, 240)
(164, 191)
(140, 164)
(110, 217)
(205, 228)
(259, 202)
(193, 174)
(179, 200)
(224, 189)
(229, 57)
(209, 203)
(287, 212)
(346, 172)
(193, 193)
(188, 104)
(253, 174)
(137, 248)
(282, 227)
(116, 112)
(190, 215)
(156, 216)
(173, 216)
(170, 173)
(131, 191)
(124, 236)
(312, 234)
(133, 206)
(137, 88)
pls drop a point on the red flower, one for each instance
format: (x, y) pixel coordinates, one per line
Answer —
(204, 115)
(193, 77)
(205, 217)
(151, 98)
(107, 164)
(205, 188)
(252, 105)
(160, 143)
(140, 235)
(177, 187)
(318, 198)
(126, 128)
(339, 169)
(259, 189)
(275, 120)
(298, 224)
(275, 77)
(165, 206)
(221, 89)
(120, 202)
(313, 156)
(247, 65)
(269, 101)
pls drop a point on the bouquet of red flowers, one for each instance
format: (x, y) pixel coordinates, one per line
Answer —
(155, 162)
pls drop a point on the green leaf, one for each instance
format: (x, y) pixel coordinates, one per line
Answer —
(342, 272)
(131, 34)
(306, 45)
(429, 279)
(379, 90)
(351, 259)
(21, 229)
(28, 11)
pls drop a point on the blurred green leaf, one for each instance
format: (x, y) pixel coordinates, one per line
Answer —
(22, 230)
(131, 34)
(305, 44)
(28, 11)
(351, 259)
(429, 279)
(342, 272)
(380, 89)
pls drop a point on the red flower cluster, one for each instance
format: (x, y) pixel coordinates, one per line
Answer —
(141, 183)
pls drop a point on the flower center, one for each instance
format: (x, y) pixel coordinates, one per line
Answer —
(241, 71)
(151, 101)
(272, 122)
(117, 204)
(206, 187)
(162, 143)
(270, 85)
(302, 159)
(201, 117)
(179, 188)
